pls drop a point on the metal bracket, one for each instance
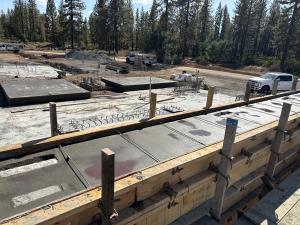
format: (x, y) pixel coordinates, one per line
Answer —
(172, 204)
(169, 191)
(215, 169)
(228, 158)
(176, 170)
(248, 154)
(290, 134)
(268, 141)
(285, 132)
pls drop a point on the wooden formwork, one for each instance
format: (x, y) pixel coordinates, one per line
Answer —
(161, 194)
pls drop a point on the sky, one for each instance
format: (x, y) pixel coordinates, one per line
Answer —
(146, 4)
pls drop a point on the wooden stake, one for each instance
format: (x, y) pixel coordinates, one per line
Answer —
(108, 184)
(295, 82)
(247, 92)
(210, 97)
(223, 170)
(153, 98)
(284, 116)
(275, 87)
(53, 119)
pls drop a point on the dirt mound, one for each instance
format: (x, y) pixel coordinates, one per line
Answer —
(100, 57)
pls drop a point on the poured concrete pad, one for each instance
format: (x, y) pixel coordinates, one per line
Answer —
(122, 84)
(162, 142)
(204, 132)
(242, 115)
(278, 104)
(35, 180)
(252, 115)
(24, 92)
(87, 156)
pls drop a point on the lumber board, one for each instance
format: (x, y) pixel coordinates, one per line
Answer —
(224, 167)
(283, 120)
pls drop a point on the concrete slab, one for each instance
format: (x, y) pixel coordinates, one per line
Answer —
(87, 156)
(253, 115)
(34, 181)
(242, 115)
(277, 204)
(203, 132)
(24, 92)
(122, 84)
(278, 103)
(267, 109)
(162, 142)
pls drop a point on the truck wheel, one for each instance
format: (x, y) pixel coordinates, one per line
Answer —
(265, 90)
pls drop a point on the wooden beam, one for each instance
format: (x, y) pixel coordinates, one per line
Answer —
(210, 97)
(247, 92)
(295, 82)
(152, 111)
(53, 119)
(285, 112)
(275, 87)
(108, 186)
(223, 170)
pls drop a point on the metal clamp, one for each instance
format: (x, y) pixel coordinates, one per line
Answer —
(176, 170)
(285, 132)
(228, 158)
(169, 191)
(248, 154)
(114, 215)
(215, 169)
(172, 204)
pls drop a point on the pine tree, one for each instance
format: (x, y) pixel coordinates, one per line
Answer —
(218, 19)
(115, 22)
(225, 28)
(73, 10)
(205, 19)
(137, 29)
(51, 22)
(99, 24)
(33, 15)
(294, 7)
(62, 25)
(267, 44)
(17, 19)
(259, 17)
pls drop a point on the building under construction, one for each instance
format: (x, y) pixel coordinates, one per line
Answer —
(217, 165)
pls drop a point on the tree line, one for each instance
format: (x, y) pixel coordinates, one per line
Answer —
(258, 33)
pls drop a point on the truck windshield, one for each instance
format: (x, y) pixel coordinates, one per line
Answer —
(268, 76)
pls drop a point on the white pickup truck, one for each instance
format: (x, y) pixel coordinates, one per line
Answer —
(264, 83)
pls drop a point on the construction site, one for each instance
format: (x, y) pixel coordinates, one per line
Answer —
(87, 139)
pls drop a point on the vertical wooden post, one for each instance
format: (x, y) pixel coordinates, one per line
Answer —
(295, 82)
(53, 119)
(153, 98)
(247, 92)
(275, 87)
(284, 116)
(108, 184)
(210, 97)
(223, 170)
